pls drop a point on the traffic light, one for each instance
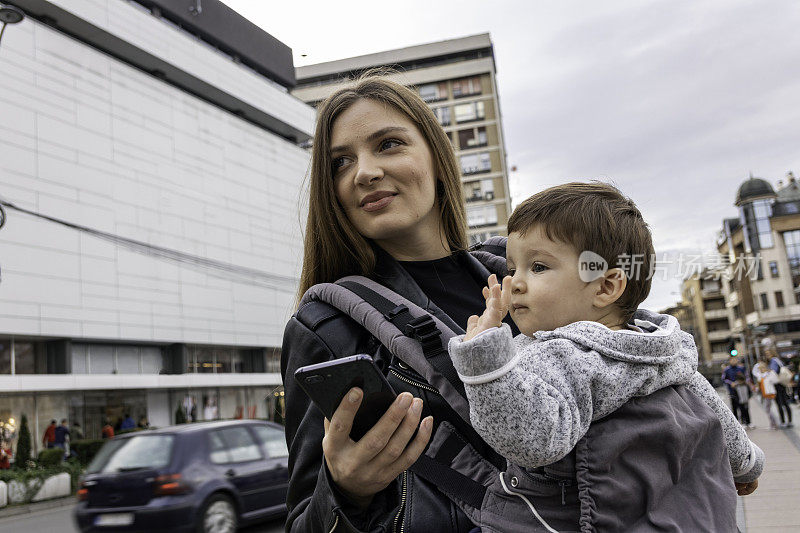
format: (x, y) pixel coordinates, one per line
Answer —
(732, 349)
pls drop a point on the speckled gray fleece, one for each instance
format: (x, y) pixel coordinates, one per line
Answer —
(533, 398)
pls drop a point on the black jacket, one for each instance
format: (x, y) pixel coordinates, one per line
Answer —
(319, 332)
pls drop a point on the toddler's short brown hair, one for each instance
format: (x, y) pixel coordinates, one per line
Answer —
(595, 216)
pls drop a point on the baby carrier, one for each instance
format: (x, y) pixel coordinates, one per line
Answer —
(654, 464)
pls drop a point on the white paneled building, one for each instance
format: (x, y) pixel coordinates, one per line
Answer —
(150, 173)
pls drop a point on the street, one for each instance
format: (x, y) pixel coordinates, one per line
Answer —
(59, 520)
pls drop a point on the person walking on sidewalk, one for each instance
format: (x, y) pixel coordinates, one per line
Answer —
(766, 379)
(743, 393)
(783, 379)
(729, 376)
(49, 437)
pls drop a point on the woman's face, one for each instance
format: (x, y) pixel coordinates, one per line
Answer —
(384, 178)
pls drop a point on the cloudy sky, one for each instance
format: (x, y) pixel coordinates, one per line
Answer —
(675, 102)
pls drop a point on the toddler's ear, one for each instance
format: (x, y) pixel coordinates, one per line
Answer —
(611, 287)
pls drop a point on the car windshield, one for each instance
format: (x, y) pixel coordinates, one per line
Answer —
(134, 453)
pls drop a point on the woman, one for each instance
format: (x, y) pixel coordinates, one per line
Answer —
(385, 202)
(767, 380)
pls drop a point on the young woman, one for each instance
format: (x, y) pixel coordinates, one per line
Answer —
(385, 202)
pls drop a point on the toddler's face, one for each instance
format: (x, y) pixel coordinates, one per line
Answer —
(547, 291)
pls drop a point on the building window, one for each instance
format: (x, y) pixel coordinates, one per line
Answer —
(433, 92)
(466, 87)
(764, 301)
(469, 112)
(442, 115)
(475, 191)
(778, 298)
(481, 215)
(472, 138)
(791, 239)
(773, 268)
(476, 163)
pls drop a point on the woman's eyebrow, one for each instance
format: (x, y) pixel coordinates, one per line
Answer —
(373, 136)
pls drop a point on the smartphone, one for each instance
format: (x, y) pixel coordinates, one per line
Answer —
(327, 383)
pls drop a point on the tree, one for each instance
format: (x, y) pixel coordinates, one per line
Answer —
(23, 444)
(180, 416)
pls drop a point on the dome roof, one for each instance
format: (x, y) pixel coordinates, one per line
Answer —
(752, 189)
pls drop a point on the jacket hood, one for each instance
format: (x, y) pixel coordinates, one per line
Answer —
(653, 339)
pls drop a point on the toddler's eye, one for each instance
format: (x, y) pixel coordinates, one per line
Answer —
(539, 267)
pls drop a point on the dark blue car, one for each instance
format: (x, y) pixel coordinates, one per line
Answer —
(207, 477)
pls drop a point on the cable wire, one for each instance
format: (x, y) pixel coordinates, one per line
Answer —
(212, 267)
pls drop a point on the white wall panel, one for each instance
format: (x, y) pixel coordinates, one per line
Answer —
(95, 142)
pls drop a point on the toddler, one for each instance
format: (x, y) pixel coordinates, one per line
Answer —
(578, 259)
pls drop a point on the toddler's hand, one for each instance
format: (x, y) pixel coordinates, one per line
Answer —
(497, 302)
(743, 489)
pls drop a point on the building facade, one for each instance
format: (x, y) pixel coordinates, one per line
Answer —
(457, 79)
(762, 288)
(150, 169)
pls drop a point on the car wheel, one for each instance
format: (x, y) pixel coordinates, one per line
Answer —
(218, 516)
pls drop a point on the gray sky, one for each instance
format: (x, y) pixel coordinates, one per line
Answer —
(673, 101)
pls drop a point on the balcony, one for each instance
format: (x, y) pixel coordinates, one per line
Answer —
(712, 314)
(719, 335)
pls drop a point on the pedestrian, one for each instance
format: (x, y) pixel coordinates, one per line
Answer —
(5, 455)
(127, 423)
(143, 423)
(62, 435)
(49, 437)
(766, 379)
(783, 381)
(729, 375)
(743, 393)
(76, 433)
(108, 430)
(386, 202)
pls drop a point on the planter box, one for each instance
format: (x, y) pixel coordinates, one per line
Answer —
(53, 487)
(3, 494)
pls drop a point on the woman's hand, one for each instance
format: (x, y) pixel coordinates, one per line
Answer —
(364, 468)
(498, 300)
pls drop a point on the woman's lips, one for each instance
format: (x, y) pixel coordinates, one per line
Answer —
(377, 205)
(517, 308)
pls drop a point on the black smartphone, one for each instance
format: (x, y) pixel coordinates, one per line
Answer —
(327, 383)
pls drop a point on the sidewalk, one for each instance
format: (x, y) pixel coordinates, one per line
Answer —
(775, 506)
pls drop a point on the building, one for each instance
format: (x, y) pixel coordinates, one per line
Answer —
(762, 288)
(702, 294)
(149, 163)
(457, 79)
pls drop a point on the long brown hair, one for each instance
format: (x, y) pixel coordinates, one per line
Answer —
(333, 247)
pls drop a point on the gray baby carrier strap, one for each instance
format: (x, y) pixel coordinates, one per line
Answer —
(404, 328)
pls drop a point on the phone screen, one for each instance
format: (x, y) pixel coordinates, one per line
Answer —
(327, 383)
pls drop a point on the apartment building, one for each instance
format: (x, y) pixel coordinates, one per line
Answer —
(703, 306)
(457, 79)
(762, 288)
(149, 162)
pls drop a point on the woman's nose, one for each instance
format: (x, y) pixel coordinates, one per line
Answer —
(368, 171)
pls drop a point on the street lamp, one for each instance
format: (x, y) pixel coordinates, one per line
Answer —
(9, 15)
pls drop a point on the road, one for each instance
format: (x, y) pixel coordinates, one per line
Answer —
(59, 520)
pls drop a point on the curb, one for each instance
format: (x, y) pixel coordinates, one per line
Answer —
(16, 510)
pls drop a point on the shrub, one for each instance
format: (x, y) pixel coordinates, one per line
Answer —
(33, 478)
(23, 444)
(180, 416)
(86, 449)
(51, 457)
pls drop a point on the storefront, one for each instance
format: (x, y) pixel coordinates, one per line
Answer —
(154, 407)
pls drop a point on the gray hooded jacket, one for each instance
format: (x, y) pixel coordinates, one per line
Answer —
(533, 398)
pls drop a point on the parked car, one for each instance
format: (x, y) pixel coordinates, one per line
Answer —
(210, 477)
